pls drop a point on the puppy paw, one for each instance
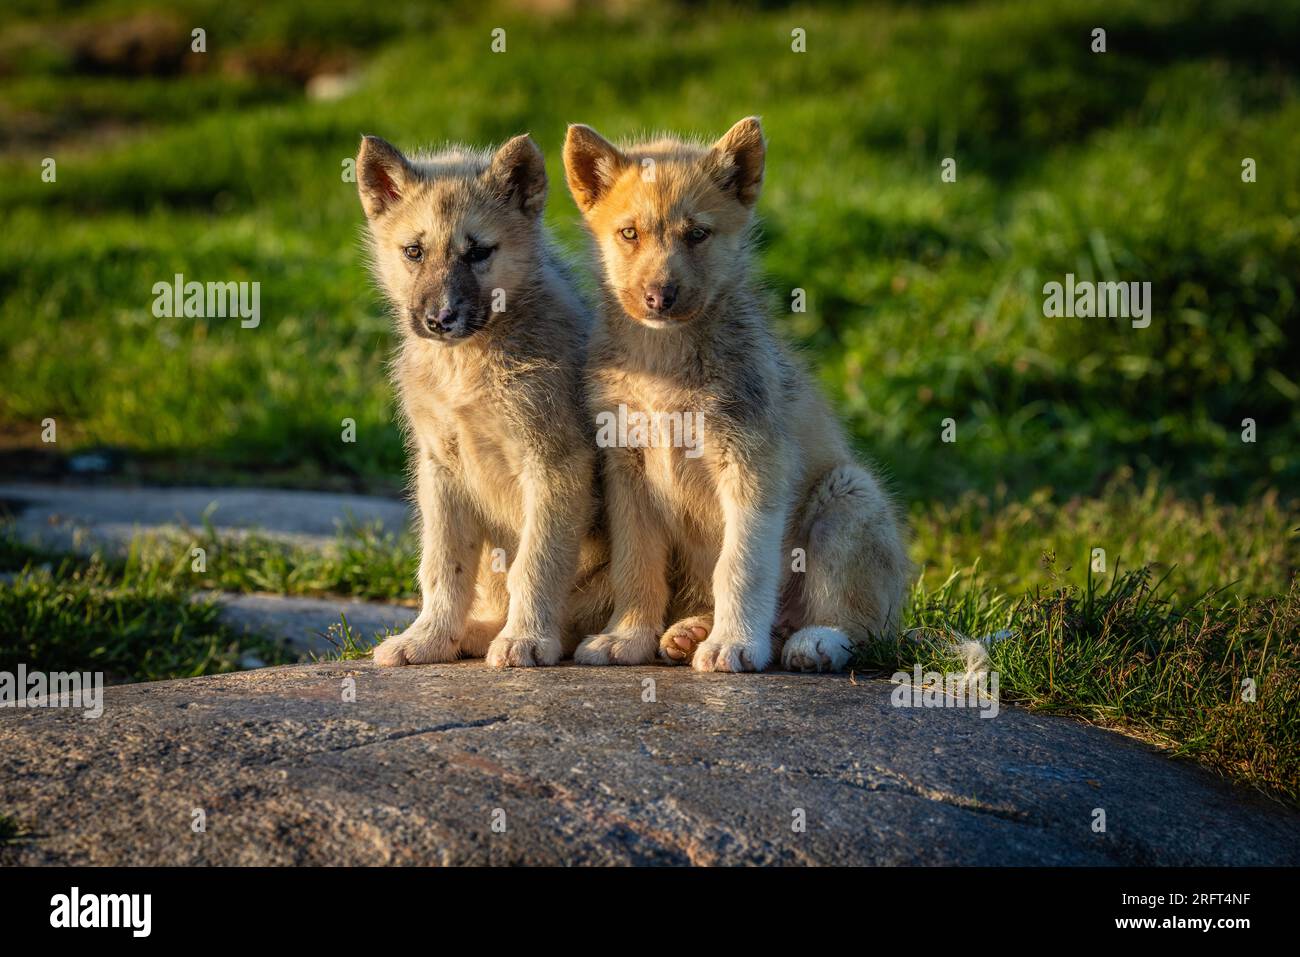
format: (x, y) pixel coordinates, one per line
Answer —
(617, 648)
(679, 642)
(724, 652)
(529, 650)
(817, 648)
(418, 645)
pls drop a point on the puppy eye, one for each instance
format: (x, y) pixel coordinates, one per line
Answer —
(413, 252)
(697, 234)
(628, 233)
(478, 254)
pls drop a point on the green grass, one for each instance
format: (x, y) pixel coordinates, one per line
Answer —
(1120, 654)
(1250, 548)
(131, 620)
(925, 297)
(363, 561)
(347, 644)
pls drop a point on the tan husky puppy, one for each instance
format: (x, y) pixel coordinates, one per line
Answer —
(493, 337)
(773, 529)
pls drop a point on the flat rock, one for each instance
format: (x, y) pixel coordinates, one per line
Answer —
(459, 764)
(83, 517)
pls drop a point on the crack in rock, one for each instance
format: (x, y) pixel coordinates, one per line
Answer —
(414, 732)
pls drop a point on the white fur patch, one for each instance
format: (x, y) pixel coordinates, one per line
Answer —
(816, 648)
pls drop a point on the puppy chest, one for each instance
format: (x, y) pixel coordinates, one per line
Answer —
(487, 461)
(682, 488)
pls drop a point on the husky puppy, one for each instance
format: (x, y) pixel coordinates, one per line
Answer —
(709, 543)
(493, 337)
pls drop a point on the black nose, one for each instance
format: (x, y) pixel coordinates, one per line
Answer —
(661, 298)
(444, 321)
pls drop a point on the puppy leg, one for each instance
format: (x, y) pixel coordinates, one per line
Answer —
(592, 600)
(638, 571)
(491, 605)
(691, 610)
(449, 543)
(857, 570)
(556, 497)
(747, 576)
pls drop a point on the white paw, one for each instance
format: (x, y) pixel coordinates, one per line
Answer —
(679, 642)
(523, 651)
(418, 645)
(817, 648)
(617, 648)
(722, 652)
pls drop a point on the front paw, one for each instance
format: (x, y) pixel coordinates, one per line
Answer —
(617, 648)
(418, 645)
(729, 652)
(528, 650)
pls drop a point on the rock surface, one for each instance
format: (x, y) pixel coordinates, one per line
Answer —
(458, 764)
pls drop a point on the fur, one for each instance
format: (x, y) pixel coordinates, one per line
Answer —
(707, 543)
(488, 372)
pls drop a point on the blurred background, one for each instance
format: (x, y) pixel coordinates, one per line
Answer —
(925, 305)
(924, 297)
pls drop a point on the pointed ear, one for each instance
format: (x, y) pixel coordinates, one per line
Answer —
(736, 161)
(591, 165)
(518, 173)
(383, 175)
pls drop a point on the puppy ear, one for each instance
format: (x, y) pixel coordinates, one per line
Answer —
(591, 165)
(736, 161)
(518, 173)
(383, 175)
